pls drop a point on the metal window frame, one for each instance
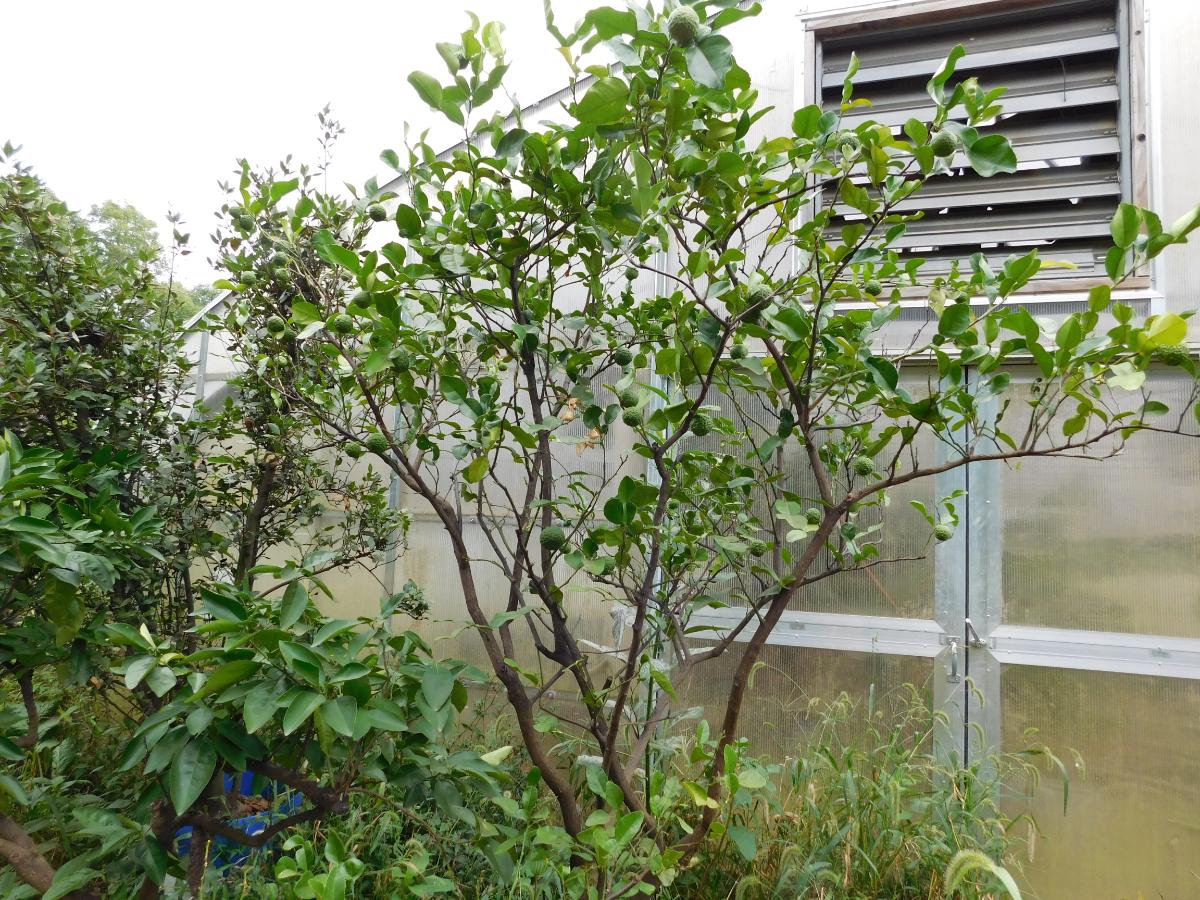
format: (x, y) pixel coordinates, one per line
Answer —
(967, 639)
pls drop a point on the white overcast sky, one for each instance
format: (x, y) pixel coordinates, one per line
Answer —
(150, 102)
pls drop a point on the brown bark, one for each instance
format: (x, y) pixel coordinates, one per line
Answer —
(25, 680)
(22, 854)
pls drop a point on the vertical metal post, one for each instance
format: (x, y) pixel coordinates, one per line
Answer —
(950, 589)
(985, 558)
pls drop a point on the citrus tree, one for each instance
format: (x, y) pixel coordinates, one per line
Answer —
(482, 325)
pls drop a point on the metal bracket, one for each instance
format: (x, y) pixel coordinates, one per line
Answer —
(974, 641)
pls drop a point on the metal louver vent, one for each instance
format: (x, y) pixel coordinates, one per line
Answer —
(1063, 65)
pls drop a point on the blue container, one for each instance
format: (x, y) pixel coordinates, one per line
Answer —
(224, 852)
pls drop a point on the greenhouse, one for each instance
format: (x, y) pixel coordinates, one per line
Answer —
(765, 467)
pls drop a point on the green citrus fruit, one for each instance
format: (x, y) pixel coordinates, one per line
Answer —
(622, 356)
(943, 532)
(553, 538)
(1172, 354)
(378, 444)
(943, 144)
(863, 466)
(683, 24)
(702, 424)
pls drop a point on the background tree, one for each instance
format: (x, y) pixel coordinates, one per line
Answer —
(498, 308)
(118, 507)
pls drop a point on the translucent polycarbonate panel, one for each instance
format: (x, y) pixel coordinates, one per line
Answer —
(1132, 823)
(902, 583)
(1109, 545)
(791, 686)
(430, 562)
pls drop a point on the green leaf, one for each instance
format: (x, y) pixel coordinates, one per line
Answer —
(70, 877)
(428, 88)
(1126, 376)
(752, 779)
(1069, 333)
(848, 80)
(610, 23)
(223, 677)
(190, 773)
(628, 826)
(1099, 298)
(436, 686)
(807, 121)
(281, 189)
(302, 706)
(991, 155)
(408, 222)
(12, 787)
(339, 715)
(258, 707)
(1166, 329)
(605, 101)
(1185, 224)
(643, 195)
(295, 602)
(956, 319)
(1114, 262)
(476, 470)
(1125, 224)
(743, 838)
(937, 84)
(497, 756)
(160, 680)
(305, 313)
(511, 143)
(10, 751)
(199, 719)
(709, 60)
(884, 372)
(334, 253)
(137, 670)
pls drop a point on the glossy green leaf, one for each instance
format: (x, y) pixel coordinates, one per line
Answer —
(427, 88)
(302, 706)
(604, 102)
(436, 686)
(224, 676)
(339, 715)
(709, 60)
(190, 773)
(992, 155)
(295, 602)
